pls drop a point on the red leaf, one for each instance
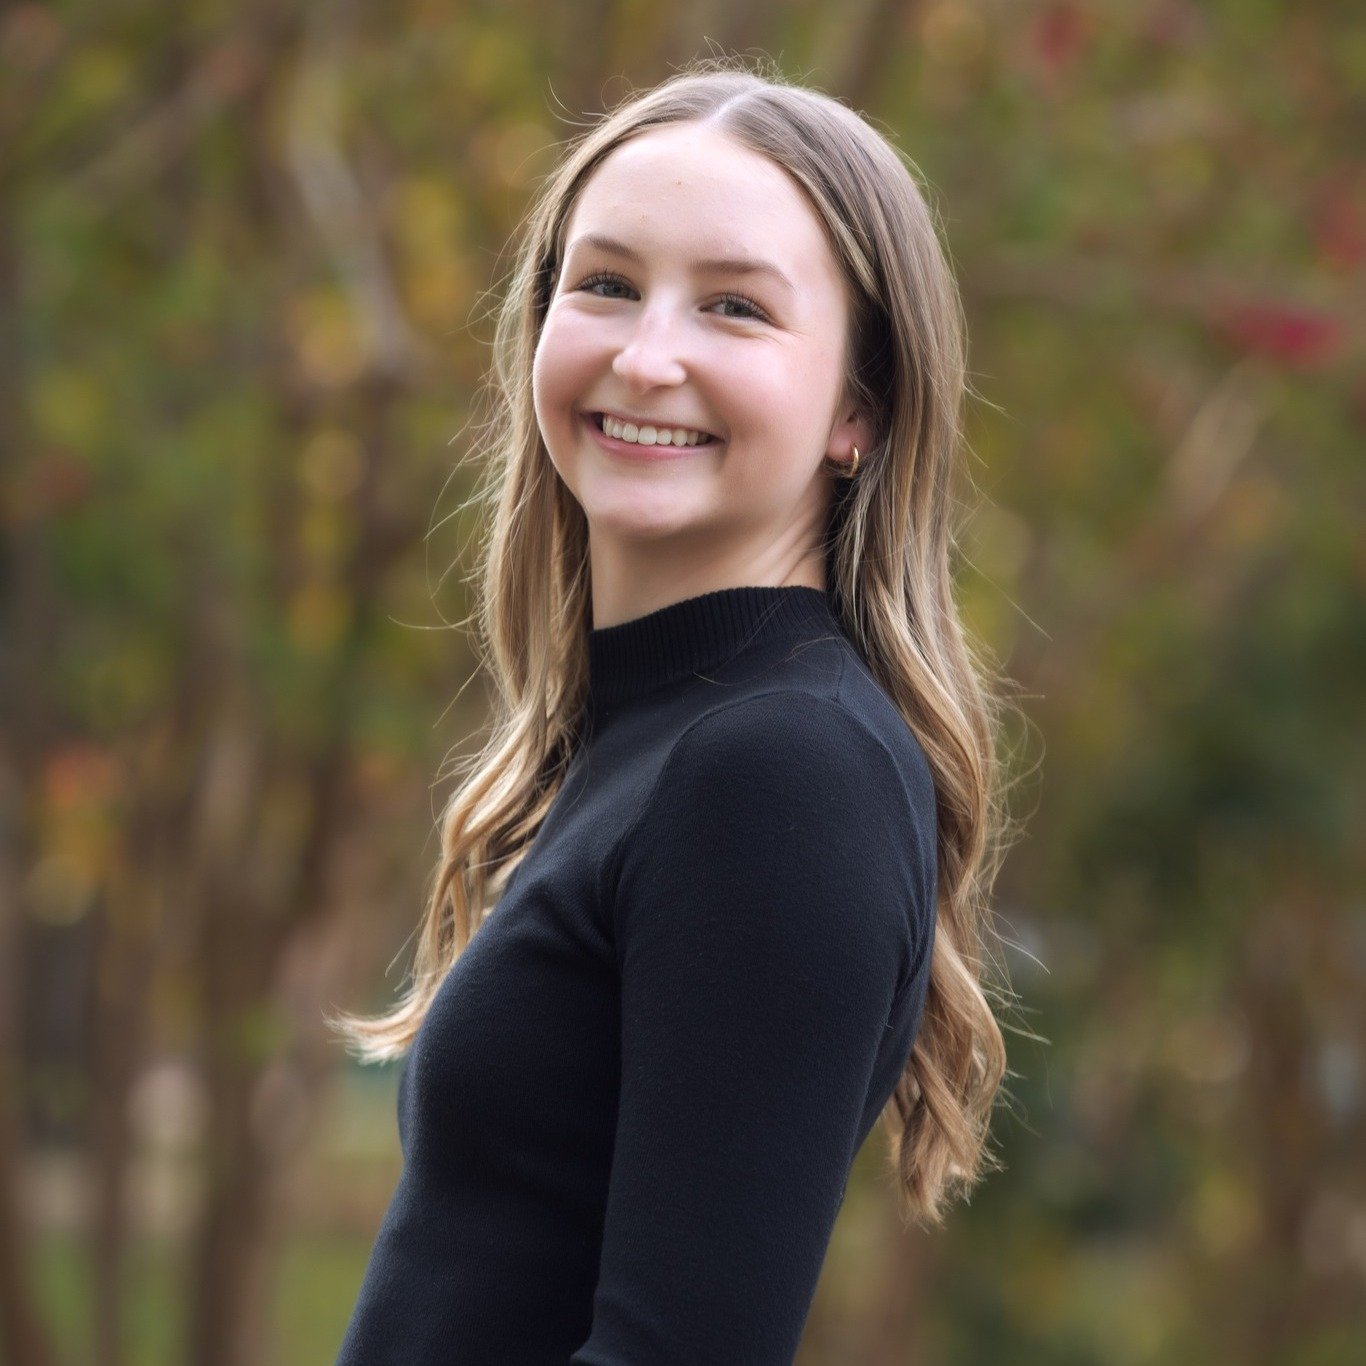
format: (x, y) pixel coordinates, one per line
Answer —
(1293, 336)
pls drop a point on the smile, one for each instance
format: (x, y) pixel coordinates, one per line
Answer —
(647, 434)
(637, 452)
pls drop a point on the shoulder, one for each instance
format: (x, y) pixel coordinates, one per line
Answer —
(850, 739)
(790, 805)
(791, 772)
(782, 734)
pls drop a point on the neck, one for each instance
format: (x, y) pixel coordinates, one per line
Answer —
(624, 591)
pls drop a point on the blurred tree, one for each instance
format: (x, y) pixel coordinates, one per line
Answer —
(242, 261)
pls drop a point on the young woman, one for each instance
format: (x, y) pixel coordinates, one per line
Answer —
(714, 896)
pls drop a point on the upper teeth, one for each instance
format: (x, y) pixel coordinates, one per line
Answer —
(651, 436)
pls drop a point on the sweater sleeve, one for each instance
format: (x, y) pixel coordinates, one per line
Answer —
(765, 917)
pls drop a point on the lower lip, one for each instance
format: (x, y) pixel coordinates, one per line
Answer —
(635, 451)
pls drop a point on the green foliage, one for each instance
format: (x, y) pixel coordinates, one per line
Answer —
(250, 312)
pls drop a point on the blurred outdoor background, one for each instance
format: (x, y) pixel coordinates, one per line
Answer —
(248, 255)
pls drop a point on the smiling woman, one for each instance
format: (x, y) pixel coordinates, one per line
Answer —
(713, 898)
(663, 342)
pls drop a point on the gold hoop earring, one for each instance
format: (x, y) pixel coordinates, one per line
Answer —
(841, 470)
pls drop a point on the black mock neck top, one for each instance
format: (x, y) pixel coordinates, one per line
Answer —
(629, 1117)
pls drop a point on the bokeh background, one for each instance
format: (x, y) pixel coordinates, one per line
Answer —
(248, 255)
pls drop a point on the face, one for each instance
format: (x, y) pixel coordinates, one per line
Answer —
(650, 325)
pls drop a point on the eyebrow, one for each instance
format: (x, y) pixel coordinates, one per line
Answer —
(735, 265)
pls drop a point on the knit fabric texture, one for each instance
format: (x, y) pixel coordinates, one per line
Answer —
(629, 1117)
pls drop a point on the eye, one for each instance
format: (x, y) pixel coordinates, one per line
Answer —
(603, 277)
(735, 300)
(741, 301)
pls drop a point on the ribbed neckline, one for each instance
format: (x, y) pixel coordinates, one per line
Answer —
(695, 635)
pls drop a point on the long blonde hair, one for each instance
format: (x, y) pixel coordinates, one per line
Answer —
(889, 546)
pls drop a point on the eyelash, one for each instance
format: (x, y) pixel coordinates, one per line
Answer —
(606, 276)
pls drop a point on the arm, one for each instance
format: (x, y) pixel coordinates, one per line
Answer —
(765, 918)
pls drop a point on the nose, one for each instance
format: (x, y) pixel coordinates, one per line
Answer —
(651, 354)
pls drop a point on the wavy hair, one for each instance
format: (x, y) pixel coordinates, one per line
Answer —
(889, 545)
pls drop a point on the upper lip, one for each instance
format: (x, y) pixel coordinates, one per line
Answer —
(655, 422)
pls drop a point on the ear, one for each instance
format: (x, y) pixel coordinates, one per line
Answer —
(852, 429)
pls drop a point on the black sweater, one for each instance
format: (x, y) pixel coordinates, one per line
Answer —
(629, 1117)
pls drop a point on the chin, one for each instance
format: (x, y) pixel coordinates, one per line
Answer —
(626, 528)
(634, 519)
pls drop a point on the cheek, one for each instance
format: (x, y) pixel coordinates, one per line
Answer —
(782, 389)
(570, 343)
(546, 360)
(558, 365)
(816, 372)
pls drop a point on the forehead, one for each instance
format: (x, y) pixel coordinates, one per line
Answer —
(696, 192)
